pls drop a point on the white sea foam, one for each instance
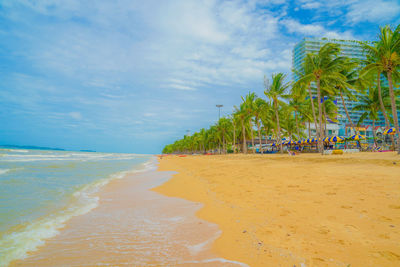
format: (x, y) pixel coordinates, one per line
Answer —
(3, 171)
(71, 156)
(16, 245)
(202, 262)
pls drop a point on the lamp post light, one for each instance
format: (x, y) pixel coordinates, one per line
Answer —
(219, 106)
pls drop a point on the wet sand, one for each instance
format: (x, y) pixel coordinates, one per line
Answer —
(304, 210)
(133, 226)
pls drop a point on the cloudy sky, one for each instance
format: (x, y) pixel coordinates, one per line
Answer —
(132, 76)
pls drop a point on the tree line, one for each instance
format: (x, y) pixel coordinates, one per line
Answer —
(289, 107)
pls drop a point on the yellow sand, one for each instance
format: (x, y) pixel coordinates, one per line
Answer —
(280, 210)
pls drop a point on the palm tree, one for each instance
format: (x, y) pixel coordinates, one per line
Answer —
(324, 68)
(266, 118)
(249, 105)
(297, 104)
(305, 84)
(224, 126)
(243, 116)
(370, 104)
(275, 92)
(386, 56)
(233, 119)
(259, 107)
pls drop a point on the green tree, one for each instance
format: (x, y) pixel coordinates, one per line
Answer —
(275, 92)
(385, 56)
(324, 70)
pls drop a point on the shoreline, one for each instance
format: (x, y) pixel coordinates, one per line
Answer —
(133, 225)
(26, 239)
(307, 210)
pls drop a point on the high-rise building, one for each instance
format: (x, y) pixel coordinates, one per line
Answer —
(348, 48)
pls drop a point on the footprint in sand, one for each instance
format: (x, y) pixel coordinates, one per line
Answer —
(384, 236)
(324, 231)
(346, 207)
(331, 193)
(388, 255)
(351, 227)
(396, 207)
(341, 242)
(385, 219)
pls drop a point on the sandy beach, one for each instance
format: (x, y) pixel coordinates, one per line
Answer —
(305, 210)
(133, 226)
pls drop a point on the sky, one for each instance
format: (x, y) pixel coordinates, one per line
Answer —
(133, 76)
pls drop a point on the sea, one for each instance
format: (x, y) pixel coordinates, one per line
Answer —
(40, 190)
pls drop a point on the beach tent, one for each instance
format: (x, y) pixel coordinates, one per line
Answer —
(390, 131)
(326, 139)
(335, 139)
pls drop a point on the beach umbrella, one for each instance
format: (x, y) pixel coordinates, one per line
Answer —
(326, 139)
(390, 131)
(335, 139)
(357, 137)
(314, 140)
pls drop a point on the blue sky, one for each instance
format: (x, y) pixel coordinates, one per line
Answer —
(132, 76)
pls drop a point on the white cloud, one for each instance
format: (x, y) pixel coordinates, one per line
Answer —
(373, 11)
(75, 115)
(311, 5)
(182, 87)
(294, 26)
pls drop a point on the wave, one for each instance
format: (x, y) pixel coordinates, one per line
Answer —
(68, 156)
(16, 245)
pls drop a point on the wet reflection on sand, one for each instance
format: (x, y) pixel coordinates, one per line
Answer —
(133, 226)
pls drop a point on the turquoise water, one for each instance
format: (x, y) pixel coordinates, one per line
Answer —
(41, 190)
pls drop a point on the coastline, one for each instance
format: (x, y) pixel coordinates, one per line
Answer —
(133, 225)
(305, 210)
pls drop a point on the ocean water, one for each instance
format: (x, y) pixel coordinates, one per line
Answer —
(41, 190)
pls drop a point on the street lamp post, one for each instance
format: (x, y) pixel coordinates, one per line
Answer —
(219, 106)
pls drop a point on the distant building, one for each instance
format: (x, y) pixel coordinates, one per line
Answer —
(348, 48)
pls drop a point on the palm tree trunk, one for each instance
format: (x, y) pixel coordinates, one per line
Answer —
(320, 117)
(345, 109)
(387, 123)
(279, 129)
(313, 111)
(252, 137)
(309, 129)
(234, 138)
(381, 101)
(259, 136)
(297, 125)
(244, 138)
(223, 145)
(394, 110)
(373, 131)
(325, 118)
